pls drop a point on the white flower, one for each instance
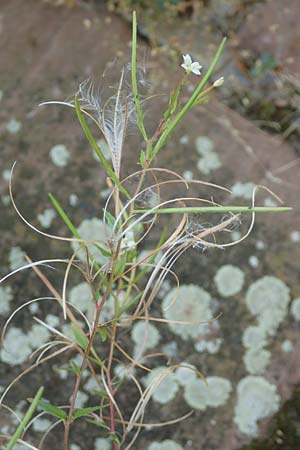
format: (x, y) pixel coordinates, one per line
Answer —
(219, 82)
(190, 66)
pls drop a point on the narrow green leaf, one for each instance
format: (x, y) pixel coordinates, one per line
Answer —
(63, 215)
(96, 148)
(108, 217)
(173, 100)
(75, 233)
(149, 149)
(98, 424)
(131, 302)
(75, 368)
(52, 409)
(80, 338)
(19, 431)
(115, 439)
(102, 394)
(84, 411)
(142, 158)
(214, 209)
(120, 264)
(103, 333)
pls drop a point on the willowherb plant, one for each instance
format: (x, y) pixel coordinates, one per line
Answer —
(123, 282)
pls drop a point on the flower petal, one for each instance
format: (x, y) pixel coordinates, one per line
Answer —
(195, 68)
(187, 59)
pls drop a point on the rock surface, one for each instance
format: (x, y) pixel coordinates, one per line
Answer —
(45, 52)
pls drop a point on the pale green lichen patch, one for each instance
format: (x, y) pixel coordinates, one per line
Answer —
(209, 159)
(74, 447)
(16, 258)
(167, 444)
(186, 373)
(16, 347)
(204, 145)
(188, 303)
(295, 309)
(92, 229)
(40, 424)
(81, 399)
(287, 346)
(270, 202)
(253, 261)
(170, 349)
(254, 337)
(211, 346)
(5, 199)
(243, 190)
(147, 259)
(164, 383)
(6, 174)
(188, 175)
(256, 360)
(81, 297)
(102, 444)
(257, 399)
(59, 155)
(121, 371)
(38, 335)
(295, 236)
(13, 126)
(46, 217)
(144, 336)
(267, 299)
(229, 280)
(6, 297)
(73, 200)
(213, 393)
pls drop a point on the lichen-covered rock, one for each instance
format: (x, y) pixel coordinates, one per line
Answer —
(46, 217)
(144, 335)
(188, 303)
(254, 337)
(59, 155)
(213, 393)
(81, 296)
(165, 385)
(95, 230)
(268, 299)
(186, 373)
(6, 297)
(209, 159)
(16, 347)
(257, 399)
(256, 360)
(295, 309)
(121, 371)
(103, 444)
(168, 444)
(244, 190)
(16, 258)
(229, 280)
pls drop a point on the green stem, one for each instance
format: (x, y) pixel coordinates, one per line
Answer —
(134, 80)
(19, 431)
